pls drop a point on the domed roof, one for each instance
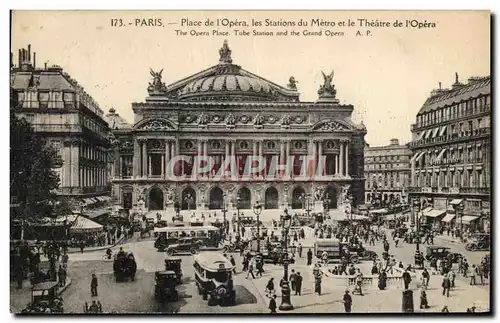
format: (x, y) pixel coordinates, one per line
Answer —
(232, 84)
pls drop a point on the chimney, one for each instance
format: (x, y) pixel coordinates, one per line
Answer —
(29, 53)
(34, 60)
(45, 65)
(394, 142)
(19, 59)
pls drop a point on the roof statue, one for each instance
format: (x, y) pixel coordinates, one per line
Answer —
(225, 54)
(456, 78)
(157, 87)
(327, 89)
(292, 83)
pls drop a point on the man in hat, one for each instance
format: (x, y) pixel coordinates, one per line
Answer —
(272, 304)
(347, 300)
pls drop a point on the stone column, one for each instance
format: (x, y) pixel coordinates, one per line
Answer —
(167, 157)
(337, 170)
(234, 172)
(321, 166)
(137, 158)
(227, 152)
(205, 155)
(144, 158)
(261, 142)
(163, 166)
(347, 159)
(341, 166)
(314, 158)
(150, 173)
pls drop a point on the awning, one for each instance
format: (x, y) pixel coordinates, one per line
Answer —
(427, 209)
(107, 198)
(441, 153)
(456, 201)
(433, 213)
(421, 135)
(468, 219)
(381, 211)
(442, 131)
(448, 217)
(88, 201)
(83, 224)
(428, 134)
(419, 155)
(435, 132)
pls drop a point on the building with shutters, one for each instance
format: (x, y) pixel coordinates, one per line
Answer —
(71, 121)
(451, 154)
(229, 114)
(387, 172)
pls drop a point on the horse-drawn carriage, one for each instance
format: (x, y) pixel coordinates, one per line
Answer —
(124, 266)
(45, 299)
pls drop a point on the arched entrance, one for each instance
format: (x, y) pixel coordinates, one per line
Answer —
(271, 198)
(245, 198)
(297, 198)
(331, 193)
(216, 199)
(155, 199)
(188, 199)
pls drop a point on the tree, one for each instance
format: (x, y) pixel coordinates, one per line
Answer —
(32, 179)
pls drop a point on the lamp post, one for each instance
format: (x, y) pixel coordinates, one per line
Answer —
(286, 304)
(302, 199)
(257, 209)
(459, 211)
(308, 204)
(238, 200)
(416, 210)
(224, 211)
(326, 203)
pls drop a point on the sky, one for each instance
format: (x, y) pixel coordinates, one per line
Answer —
(386, 75)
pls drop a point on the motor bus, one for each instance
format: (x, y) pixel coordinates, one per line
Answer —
(213, 277)
(208, 235)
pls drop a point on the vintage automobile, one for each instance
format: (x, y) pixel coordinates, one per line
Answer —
(174, 264)
(361, 251)
(248, 221)
(440, 252)
(234, 246)
(124, 266)
(44, 299)
(165, 282)
(335, 250)
(213, 277)
(400, 232)
(184, 245)
(480, 242)
(274, 252)
(161, 224)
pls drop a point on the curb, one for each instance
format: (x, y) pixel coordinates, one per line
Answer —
(98, 248)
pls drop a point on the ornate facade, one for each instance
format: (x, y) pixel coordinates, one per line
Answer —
(451, 151)
(226, 111)
(387, 172)
(71, 121)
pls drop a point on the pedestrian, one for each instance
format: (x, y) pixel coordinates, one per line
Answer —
(425, 278)
(423, 300)
(352, 270)
(473, 273)
(480, 273)
(299, 250)
(446, 285)
(358, 283)
(93, 286)
(324, 257)
(452, 276)
(270, 287)
(406, 279)
(298, 284)
(292, 279)
(347, 300)
(272, 304)
(61, 273)
(465, 268)
(250, 269)
(374, 268)
(82, 246)
(382, 280)
(396, 241)
(309, 257)
(401, 265)
(317, 284)
(445, 309)
(233, 262)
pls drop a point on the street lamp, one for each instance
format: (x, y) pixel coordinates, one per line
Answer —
(286, 304)
(326, 202)
(459, 211)
(238, 200)
(257, 210)
(416, 210)
(224, 211)
(308, 204)
(302, 199)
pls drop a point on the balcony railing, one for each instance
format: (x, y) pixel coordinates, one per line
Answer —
(475, 190)
(453, 137)
(41, 127)
(456, 116)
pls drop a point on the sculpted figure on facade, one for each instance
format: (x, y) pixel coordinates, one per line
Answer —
(333, 126)
(285, 122)
(327, 89)
(157, 86)
(203, 120)
(225, 53)
(258, 121)
(318, 193)
(292, 83)
(230, 120)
